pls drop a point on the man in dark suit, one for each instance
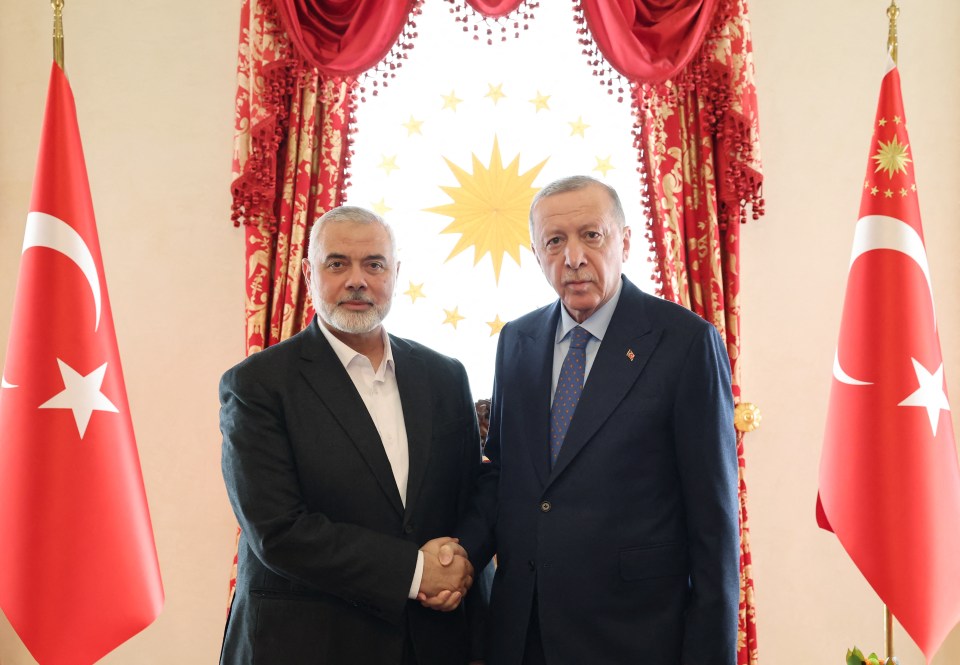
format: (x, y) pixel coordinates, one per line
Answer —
(611, 494)
(344, 448)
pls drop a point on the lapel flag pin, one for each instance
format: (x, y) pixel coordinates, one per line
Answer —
(631, 355)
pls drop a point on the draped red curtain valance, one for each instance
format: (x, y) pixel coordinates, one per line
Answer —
(494, 8)
(648, 41)
(344, 38)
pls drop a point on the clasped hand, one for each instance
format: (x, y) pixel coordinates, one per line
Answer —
(447, 574)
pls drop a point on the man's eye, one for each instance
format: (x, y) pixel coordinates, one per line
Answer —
(335, 265)
(376, 265)
(593, 235)
(553, 241)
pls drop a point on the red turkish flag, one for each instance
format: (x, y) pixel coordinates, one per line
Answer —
(78, 564)
(889, 479)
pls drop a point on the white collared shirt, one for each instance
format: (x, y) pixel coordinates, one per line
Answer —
(596, 325)
(381, 395)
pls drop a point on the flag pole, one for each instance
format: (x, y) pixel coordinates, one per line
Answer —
(57, 31)
(893, 11)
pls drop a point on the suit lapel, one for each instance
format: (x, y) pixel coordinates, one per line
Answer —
(534, 379)
(626, 347)
(328, 378)
(412, 375)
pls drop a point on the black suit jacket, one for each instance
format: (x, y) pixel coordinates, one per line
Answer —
(630, 542)
(327, 550)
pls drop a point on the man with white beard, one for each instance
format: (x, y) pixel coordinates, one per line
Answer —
(344, 448)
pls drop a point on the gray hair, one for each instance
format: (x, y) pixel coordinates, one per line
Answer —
(342, 214)
(575, 183)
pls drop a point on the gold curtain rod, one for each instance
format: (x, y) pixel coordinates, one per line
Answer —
(58, 31)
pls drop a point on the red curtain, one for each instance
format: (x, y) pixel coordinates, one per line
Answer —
(688, 65)
(495, 8)
(344, 38)
(648, 40)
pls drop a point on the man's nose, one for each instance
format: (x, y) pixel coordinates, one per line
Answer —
(573, 255)
(356, 278)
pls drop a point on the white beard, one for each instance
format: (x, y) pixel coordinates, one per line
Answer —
(354, 323)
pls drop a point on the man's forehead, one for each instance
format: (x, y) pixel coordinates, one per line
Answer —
(587, 201)
(576, 217)
(354, 240)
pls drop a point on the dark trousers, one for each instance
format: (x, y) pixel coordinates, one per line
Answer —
(409, 657)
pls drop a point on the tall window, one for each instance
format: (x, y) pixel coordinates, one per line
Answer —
(452, 152)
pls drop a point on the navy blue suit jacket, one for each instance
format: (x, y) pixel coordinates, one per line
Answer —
(631, 541)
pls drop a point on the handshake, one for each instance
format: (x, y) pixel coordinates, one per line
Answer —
(447, 574)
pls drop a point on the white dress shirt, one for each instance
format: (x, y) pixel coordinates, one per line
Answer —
(380, 394)
(596, 325)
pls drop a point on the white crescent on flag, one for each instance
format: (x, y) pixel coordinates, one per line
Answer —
(882, 232)
(45, 230)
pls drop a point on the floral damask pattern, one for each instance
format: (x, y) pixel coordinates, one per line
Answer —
(698, 139)
(290, 165)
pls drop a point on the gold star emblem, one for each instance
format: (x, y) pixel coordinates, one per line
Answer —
(490, 208)
(415, 291)
(495, 92)
(896, 120)
(540, 102)
(380, 207)
(882, 122)
(891, 157)
(888, 193)
(866, 183)
(578, 127)
(388, 164)
(413, 126)
(603, 165)
(903, 191)
(873, 191)
(913, 187)
(453, 317)
(450, 101)
(496, 325)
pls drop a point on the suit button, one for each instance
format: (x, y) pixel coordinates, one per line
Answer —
(408, 529)
(545, 507)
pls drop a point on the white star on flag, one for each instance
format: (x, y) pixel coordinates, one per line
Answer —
(929, 395)
(81, 394)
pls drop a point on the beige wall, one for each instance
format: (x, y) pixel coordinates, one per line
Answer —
(819, 66)
(154, 84)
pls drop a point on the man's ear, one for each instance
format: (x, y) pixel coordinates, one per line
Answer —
(307, 270)
(626, 242)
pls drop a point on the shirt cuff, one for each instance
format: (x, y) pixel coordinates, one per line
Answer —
(417, 577)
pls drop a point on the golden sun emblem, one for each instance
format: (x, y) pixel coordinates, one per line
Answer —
(891, 157)
(489, 208)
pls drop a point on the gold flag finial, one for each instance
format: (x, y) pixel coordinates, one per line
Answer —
(892, 13)
(57, 31)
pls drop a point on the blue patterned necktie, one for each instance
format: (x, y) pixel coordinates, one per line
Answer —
(569, 387)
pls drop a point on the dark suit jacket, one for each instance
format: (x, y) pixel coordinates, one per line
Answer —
(328, 551)
(630, 542)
